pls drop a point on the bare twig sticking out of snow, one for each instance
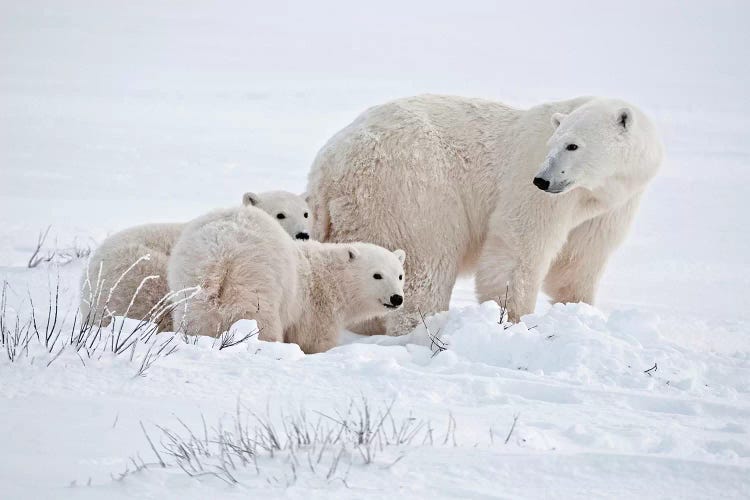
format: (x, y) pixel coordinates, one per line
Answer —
(503, 321)
(15, 336)
(36, 257)
(58, 255)
(512, 428)
(156, 351)
(151, 443)
(230, 338)
(52, 317)
(651, 370)
(451, 430)
(137, 467)
(436, 344)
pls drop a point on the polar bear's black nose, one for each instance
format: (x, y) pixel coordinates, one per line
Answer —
(397, 300)
(302, 236)
(541, 183)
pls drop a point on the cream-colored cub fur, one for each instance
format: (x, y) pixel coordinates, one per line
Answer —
(288, 209)
(147, 248)
(247, 268)
(460, 185)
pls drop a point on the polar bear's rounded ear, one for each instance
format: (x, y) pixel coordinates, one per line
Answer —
(557, 118)
(352, 254)
(249, 199)
(400, 254)
(625, 118)
(305, 196)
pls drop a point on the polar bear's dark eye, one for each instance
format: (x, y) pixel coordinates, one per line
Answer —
(280, 216)
(572, 147)
(377, 276)
(400, 277)
(305, 215)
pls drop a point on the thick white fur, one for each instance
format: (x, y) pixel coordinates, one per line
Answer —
(130, 247)
(248, 268)
(449, 180)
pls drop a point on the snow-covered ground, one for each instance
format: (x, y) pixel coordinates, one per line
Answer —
(115, 114)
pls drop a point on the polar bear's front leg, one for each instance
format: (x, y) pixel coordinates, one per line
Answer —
(574, 275)
(516, 269)
(427, 290)
(502, 272)
(313, 335)
(269, 326)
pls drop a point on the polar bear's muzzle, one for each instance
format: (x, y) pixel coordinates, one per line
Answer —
(548, 187)
(550, 179)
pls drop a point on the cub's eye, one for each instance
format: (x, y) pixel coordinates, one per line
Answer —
(572, 147)
(280, 216)
(377, 276)
(305, 215)
(400, 277)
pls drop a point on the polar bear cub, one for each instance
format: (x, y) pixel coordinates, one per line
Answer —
(127, 274)
(247, 268)
(288, 209)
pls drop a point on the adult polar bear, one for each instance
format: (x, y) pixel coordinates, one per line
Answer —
(458, 184)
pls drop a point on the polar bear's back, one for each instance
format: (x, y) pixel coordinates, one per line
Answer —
(448, 123)
(244, 235)
(240, 257)
(159, 236)
(428, 157)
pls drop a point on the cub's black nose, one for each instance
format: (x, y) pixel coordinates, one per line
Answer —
(302, 236)
(541, 183)
(397, 300)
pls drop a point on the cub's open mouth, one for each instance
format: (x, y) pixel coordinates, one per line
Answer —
(390, 306)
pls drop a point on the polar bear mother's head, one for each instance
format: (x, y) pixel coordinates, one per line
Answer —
(596, 144)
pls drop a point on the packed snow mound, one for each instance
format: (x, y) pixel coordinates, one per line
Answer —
(575, 343)
(243, 337)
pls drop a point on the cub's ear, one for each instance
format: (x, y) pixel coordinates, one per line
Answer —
(625, 118)
(557, 118)
(305, 196)
(400, 254)
(249, 199)
(351, 253)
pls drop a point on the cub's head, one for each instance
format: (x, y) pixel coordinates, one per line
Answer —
(289, 210)
(589, 147)
(376, 277)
